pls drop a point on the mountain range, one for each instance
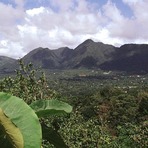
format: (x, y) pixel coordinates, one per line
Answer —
(89, 54)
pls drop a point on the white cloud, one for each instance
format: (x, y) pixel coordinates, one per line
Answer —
(128, 29)
(140, 21)
(68, 23)
(130, 2)
(3, 43)
(9, 15)
(9, 48)
(35, 11)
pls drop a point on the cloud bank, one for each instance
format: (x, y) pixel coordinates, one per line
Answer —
(68, 23)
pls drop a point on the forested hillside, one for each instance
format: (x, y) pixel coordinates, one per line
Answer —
(109, 109)
(89, 55)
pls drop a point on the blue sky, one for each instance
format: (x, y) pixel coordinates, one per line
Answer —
(124, 8)
(28, 24)
(29, 4)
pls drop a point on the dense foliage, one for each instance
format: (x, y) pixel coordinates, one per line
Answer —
(110, 111)
(15, 128)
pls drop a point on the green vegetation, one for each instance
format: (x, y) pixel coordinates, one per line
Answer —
(110, 109)
(19, 124)
(16, 116)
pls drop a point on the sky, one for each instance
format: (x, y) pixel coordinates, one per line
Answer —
(29, 24)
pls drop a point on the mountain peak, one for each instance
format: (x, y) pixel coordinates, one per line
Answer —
(89, 54)
(88, 41)
(85, 44)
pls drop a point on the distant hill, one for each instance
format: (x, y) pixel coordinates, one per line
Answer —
(5, 62)
(89, 54)
(130, 58)
(42, 57)
(48, 59)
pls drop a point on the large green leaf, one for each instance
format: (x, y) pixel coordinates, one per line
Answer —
(50, 107)
(11, 131)
(24, 118)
